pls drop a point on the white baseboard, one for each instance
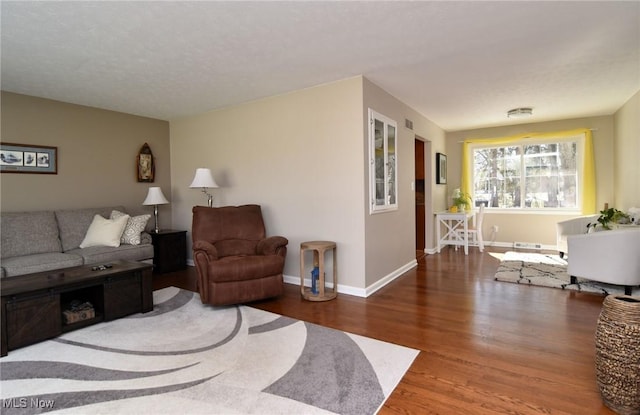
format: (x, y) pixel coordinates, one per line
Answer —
(347, 289)
(499, 245)
(511, 245)
(358, 292)
(342, 289)
(390, 277)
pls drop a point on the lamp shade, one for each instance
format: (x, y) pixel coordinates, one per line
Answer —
(203, 179)
(155, 197)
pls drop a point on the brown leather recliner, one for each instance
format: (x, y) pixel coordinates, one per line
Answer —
(235, 261)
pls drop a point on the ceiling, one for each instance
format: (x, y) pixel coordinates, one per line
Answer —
(462, 65)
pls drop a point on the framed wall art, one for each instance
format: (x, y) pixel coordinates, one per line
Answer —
(27, 158)
(441, 168)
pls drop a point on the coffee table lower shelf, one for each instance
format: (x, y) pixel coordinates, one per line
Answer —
(99, 318)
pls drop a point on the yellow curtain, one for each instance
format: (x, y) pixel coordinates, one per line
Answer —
(587, 182)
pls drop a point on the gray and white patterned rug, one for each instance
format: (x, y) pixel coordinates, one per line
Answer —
(548, 271)
(189, 358)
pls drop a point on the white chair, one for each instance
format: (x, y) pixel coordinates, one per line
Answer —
(474, 232)
(612, 257)
(575, 226)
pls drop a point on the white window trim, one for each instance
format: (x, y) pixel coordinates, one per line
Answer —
(386, 207)
(579, 139)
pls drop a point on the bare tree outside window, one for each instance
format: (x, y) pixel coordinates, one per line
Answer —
(526, 176)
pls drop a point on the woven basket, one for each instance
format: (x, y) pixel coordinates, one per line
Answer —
(618, 353)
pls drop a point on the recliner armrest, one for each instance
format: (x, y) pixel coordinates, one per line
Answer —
(271, 245)
(207, 248)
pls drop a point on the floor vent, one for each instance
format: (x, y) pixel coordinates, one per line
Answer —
(527, 245)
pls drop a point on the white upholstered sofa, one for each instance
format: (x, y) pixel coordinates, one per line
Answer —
(612, 257)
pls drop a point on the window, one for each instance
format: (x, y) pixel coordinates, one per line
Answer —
(528, 173)
(383, 163)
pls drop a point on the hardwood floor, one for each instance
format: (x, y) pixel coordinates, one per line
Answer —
(486, 347)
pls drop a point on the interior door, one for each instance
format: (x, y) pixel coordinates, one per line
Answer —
(420, 195)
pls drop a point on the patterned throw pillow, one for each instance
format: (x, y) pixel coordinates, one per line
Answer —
(135, 226)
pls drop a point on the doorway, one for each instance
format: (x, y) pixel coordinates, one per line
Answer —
(420, 195)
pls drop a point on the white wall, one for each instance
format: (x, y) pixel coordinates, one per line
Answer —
(390, 236)
(297, 155)
(627, 154)
(303, 156)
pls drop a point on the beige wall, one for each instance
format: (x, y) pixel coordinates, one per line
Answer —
(97, 152)
(627, 154)
(297, 155)
(303, 156)
(390, 236)
(525, 227)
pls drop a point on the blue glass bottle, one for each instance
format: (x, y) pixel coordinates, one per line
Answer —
(315, 275)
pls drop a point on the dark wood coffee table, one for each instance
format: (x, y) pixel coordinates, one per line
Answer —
(33, 304)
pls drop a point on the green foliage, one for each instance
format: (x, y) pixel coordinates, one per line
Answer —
(612, 215)
(461, 199)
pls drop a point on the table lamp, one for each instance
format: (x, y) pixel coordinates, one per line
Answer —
(204, 180)
(155, 198)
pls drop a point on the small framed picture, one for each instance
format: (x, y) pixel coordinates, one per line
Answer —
(27, 158)
(441, 168)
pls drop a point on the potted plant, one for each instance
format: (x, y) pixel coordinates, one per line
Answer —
(610, 216)
(461, 200)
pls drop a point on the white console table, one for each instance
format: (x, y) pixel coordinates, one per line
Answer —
(452, 223)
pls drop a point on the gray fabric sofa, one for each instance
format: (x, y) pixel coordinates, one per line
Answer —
(48, 240)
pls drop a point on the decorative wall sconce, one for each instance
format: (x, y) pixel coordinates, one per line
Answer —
(145, 166)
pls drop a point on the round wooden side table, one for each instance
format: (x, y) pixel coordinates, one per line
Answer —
(322, 293)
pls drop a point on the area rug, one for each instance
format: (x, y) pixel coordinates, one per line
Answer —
(188, 358)
(548, 271)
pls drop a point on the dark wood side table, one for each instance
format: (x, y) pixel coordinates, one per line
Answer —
(169, 251)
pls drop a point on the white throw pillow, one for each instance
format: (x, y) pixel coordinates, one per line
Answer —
(135, 226)
(104, 232)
